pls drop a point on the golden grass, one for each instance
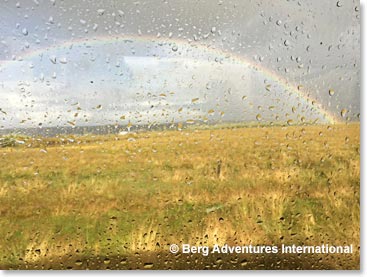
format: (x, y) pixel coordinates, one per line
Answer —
(106, 195)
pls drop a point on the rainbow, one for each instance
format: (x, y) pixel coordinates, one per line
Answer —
(233, 57)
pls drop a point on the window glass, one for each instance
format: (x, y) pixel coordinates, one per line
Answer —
(162, 134)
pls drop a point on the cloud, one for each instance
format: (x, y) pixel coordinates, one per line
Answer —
(200, 61)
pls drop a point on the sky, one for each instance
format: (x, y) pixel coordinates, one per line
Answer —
(77, 63)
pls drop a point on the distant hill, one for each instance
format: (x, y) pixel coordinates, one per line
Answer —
(117, 129)
(82, 130)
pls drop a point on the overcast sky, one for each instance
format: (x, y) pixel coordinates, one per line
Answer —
(180, 61)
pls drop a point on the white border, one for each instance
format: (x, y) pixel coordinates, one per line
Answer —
(263, 273)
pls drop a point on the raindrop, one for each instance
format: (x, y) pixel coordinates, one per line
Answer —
(343, 112)
(63, 61)
(100, 11)
(25, 31)
(331, 92)
(71, 123)
(106, 261)
(53, 59)
(174, 48)
(258, 117)
(78, 262)
(148, 265)
(244, 262)
(286, 42)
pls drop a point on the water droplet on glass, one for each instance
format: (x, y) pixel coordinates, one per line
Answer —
(106, 261)
(244, 262)
(343, 112)
(148, 265)
(78, 262)
(290, 121)
(25, 31)
(53, 59)
(100, 11)
(63, 61)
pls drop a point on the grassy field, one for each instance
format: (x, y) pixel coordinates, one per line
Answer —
(120, 201)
